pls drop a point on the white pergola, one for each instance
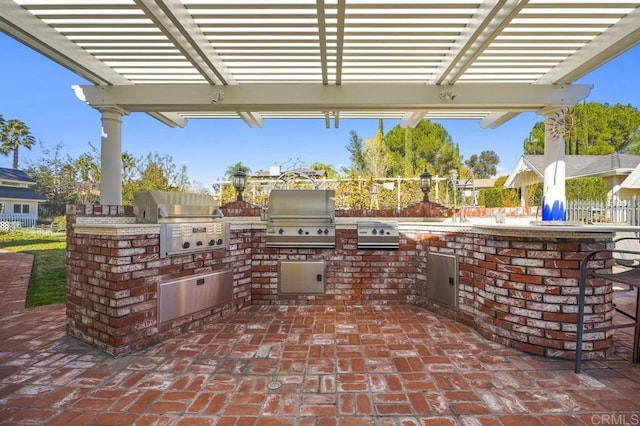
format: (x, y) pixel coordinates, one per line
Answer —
(329, 59)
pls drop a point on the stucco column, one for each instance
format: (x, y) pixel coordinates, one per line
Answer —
(111, 156)
(554, 200)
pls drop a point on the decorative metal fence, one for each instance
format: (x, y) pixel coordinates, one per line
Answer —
(594, 211)
(16, 220)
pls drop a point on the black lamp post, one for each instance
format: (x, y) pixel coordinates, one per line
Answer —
(425, 185)
(239, 183)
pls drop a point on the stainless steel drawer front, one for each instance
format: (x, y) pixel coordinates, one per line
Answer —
(192, 294)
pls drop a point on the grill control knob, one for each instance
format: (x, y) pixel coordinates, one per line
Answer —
(219, 242)
(212, 242)
(319, 231)
(198, 243)
(382, 232)
(374, 232)
(186, 245)
(300, 231)
(280, 231)
(326, 231)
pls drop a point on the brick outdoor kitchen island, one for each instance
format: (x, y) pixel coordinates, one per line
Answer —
(516, 285)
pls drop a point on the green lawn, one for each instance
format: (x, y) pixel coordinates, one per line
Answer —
(49, 274)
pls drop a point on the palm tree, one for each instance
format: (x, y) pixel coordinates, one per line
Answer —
(238, 167)
(14, 134)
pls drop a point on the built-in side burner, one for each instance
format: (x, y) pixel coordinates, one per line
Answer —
(378, 235)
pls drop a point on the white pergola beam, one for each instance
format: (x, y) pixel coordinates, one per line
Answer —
(26, 28)
(496, 119)
(177, 24)
(600, 50)
(171, 119)
(252, 119)
(355, 97)
(340, 41)
(481, 29)
(322, 40)
(411, 119)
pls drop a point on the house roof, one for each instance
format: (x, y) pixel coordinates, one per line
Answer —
(15, 193)
(530, 168)
(331, 60)
(484, 183)
(14, 175)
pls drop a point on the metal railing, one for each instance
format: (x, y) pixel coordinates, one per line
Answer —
(610, 211)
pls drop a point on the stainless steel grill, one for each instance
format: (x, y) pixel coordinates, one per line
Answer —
(189, 222)
(301, 218)
(378, 235)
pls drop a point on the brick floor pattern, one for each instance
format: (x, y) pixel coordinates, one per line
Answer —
(360, 365)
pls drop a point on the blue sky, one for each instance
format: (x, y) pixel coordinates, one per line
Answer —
(38, 92)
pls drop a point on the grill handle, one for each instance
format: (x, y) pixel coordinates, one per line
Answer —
(297, 217)
(217, 214)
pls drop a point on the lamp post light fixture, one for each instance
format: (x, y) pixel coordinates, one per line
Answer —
(425, 185)
(239, 183)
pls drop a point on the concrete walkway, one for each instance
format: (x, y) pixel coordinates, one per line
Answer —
(306, 365)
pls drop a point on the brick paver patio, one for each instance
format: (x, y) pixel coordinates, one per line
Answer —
(270, 365)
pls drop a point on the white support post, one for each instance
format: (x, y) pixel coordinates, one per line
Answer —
(554, 200)
(111, 156)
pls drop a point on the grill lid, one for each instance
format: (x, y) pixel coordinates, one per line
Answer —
(168, 206)
(310, 205)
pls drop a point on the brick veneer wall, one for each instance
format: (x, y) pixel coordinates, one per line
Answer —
(112, 282)
(352, 276)
(518, 291)
(522, 291)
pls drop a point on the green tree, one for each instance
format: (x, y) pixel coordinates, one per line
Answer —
(483, 166)
(183, 181)
(534, 143)
(153, 172)
(356, 149)
(428, 146)
(54, 176)
(596, 129)
(238, 167)
(329, 171)
(86, 171)
(13, 135)
(375, 153)
(409, 154)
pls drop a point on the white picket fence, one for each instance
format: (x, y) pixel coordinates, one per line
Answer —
(10, 221)
(593, 211)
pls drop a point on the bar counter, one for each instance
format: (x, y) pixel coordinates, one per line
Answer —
(515, 283)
